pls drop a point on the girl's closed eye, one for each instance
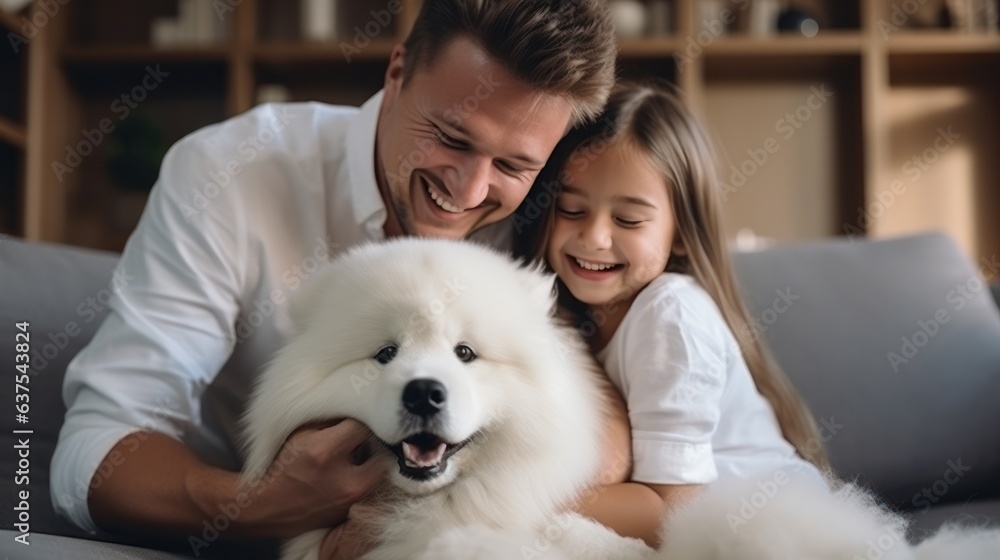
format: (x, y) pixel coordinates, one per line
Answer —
(629, 222)
(568, 212)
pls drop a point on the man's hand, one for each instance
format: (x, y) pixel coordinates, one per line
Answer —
(152, 483)
(319, 474)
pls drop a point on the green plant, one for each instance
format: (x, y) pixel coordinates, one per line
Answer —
(135, 149)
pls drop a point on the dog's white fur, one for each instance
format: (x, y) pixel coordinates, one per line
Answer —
(532, 397)
(533, 400)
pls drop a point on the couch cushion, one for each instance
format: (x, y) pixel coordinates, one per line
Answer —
(61, 291)
(48, 547)
(58, 290)
(927, 520)
(895, 345)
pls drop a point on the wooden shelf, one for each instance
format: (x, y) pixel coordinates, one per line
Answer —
(12, 133)
(90, 55)
(284, 53)
(746, 46)
(832, 43)
(941, 42)
(10, 22)
(649, 47)
(143, 53)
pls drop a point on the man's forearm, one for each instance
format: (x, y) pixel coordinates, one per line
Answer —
(159, 485)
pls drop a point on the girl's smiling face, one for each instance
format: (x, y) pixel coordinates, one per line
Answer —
(614, 225)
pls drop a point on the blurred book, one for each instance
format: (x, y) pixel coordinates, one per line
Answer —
(319, 20)
(197, 23)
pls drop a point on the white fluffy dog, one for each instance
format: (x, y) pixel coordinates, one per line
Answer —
(491, 411)
(450, 354)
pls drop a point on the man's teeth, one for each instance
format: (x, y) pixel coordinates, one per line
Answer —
(593, 266)
(449, 207)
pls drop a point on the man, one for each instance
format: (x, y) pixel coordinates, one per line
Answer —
(242, 213)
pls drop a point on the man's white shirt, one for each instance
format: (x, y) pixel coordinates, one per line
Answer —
(242, 214)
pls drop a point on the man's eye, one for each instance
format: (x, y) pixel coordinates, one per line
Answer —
(508, 168)
(448, 140)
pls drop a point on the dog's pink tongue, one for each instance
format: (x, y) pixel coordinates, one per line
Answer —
(419, 458)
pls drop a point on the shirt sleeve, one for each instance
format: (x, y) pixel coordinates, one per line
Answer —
(675, 369)
(169, 330)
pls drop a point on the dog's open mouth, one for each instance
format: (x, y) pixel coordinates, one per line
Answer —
(423, 456)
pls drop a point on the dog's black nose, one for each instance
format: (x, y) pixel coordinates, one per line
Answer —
(424, 397)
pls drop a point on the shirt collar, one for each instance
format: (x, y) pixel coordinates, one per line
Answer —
(369, 209)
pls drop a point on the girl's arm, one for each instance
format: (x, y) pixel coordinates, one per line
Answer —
(675, 366)
(632, 509)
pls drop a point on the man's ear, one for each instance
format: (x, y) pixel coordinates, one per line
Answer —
(394, 75)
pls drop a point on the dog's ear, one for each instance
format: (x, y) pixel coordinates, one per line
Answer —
(540, 286)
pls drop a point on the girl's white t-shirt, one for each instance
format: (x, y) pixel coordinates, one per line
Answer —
(696, 414)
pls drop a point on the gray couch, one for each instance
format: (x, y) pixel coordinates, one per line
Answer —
(920, 427)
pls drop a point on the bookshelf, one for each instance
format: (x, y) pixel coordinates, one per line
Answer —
(13, 133)
(837, 158)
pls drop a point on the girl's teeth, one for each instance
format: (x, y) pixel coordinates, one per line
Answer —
(440, 201)
(593, 266)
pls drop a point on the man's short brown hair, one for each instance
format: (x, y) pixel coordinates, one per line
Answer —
(561, 47)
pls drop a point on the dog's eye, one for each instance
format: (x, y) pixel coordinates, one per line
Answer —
(386, 353)
(465, 353)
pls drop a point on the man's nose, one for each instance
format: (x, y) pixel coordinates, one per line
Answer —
(472, 183)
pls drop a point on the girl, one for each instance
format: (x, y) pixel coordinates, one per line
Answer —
(634, 236)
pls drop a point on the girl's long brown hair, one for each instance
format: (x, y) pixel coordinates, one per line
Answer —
(651, 117)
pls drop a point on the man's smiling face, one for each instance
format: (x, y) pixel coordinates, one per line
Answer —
(460, 144)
